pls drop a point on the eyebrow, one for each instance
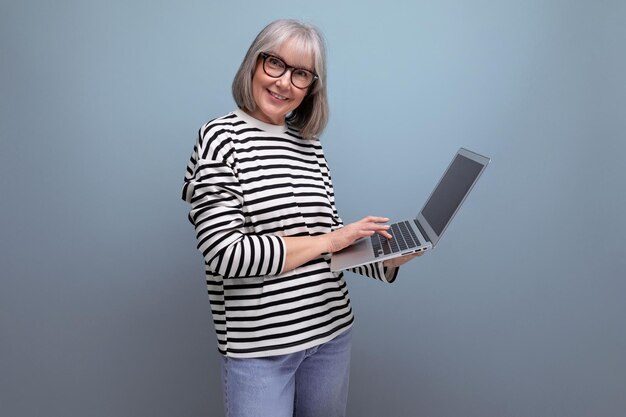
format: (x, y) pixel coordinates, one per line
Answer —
(283, 59)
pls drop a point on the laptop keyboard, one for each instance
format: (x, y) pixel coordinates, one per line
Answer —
(403, 238)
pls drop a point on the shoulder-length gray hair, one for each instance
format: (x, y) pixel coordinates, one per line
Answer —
(311, 116)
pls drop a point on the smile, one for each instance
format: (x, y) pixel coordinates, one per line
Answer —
(277, 96)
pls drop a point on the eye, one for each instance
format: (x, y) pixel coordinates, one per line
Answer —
(304, 74)
(275, 62)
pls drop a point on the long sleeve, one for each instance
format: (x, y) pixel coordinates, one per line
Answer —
(378, 271)
(212, 188)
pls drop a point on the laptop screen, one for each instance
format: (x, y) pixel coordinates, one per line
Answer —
(450, 192)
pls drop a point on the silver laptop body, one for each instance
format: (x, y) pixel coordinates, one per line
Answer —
(423, 232)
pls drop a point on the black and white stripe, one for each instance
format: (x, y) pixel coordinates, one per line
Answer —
(250, 183)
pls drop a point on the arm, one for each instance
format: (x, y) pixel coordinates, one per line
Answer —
(216, 198)
(217, 214)
(303, 249)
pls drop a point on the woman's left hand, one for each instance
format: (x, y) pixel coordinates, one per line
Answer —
(396, 262)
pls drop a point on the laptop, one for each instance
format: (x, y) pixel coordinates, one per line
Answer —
(425, 231)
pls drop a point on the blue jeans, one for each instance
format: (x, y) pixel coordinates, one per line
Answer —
(310, 383)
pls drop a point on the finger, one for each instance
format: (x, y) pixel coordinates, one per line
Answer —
(381, 229)
(375, 219)
(385, 234)
(377, 227)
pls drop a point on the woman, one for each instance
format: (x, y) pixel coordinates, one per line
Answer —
(263, 207)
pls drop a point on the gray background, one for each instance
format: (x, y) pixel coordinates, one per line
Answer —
(518, 312)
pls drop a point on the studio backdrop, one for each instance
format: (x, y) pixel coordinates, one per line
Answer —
(519, 311)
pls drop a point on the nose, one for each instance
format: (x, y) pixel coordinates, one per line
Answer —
(285, 79)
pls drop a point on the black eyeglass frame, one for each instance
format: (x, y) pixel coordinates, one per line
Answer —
(265, 55)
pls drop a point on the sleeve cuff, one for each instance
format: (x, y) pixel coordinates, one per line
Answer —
(282, 254)
(390, 274)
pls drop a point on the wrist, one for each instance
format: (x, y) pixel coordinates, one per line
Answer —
(325, 243)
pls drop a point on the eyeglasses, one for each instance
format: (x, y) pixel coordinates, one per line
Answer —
(276, 67)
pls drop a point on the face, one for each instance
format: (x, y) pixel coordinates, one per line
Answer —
(277, 97)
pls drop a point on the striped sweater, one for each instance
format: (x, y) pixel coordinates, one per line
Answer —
(250, 183)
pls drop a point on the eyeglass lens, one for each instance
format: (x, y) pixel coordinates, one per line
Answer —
(276, 67)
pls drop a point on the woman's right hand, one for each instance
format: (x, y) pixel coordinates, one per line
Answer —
(344, 237)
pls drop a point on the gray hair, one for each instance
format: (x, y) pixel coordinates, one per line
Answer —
(311, 116)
